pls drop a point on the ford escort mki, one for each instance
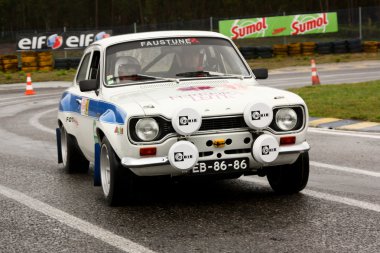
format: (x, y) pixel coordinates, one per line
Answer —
(178, 104)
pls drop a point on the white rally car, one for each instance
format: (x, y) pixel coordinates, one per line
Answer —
(178, 104)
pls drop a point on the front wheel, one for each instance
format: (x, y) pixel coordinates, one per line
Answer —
(292, 178)
(117, 182)
(72, 157)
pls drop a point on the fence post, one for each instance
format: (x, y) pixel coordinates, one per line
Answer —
(285, 42)
(135, 27)
(64, 30)
(211, 25)
(360, 23)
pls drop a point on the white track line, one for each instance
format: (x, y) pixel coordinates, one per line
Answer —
(343, 133)
(345, 169)
(324, 196)
(342, 200)
(74, 222)
(35, 121)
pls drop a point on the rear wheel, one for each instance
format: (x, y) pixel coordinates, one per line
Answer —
(72, 157)
(117, 182)
(288, 179)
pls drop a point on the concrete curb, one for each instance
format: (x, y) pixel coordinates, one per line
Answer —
(344, 124)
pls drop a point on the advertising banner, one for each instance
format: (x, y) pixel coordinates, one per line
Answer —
(56, 41)
(280, 26)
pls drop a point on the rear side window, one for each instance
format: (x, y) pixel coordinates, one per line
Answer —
(94, 68)
(83, 68)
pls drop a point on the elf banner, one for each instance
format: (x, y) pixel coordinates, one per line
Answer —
(280, 26)
(56, 41)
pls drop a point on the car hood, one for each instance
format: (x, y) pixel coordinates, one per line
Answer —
(210, 98)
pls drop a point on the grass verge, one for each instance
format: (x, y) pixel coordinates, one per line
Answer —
(359, 101)
(38, 76)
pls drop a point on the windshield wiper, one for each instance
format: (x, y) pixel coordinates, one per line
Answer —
(202, 73)
(144, 77)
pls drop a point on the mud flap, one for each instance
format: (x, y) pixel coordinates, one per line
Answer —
(97, 180)
(59, 147)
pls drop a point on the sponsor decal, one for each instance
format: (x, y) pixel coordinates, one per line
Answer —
(54, 41)
(101, 35)
(96, 139)
(301, 27)
(234, 86)
(110, 79)
(180, 157)
(278, 30)
(119, 130)
(184, 120)
(67, 40)
(169, 42)
(207, 96)
(243, 31)
(84, 106)
(280, 26)
(265, 150)
(193, 88)
(257, 115)
(71, 119)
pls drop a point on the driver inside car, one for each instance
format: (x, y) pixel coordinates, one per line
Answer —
(192, 59)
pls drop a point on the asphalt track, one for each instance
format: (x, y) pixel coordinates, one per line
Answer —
(352, 72)
(45, 210)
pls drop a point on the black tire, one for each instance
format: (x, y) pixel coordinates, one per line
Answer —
(356, 49)
(72, 157)
(290, 179)
(119, 180)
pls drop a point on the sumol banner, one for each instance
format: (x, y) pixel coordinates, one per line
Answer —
(280, 26)
(59, 41)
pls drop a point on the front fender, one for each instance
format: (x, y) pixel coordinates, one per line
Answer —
(115, 133)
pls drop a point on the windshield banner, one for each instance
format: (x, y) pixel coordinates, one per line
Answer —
(59, 41)
(279, 26)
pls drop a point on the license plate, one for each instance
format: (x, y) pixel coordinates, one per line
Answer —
(221, 166)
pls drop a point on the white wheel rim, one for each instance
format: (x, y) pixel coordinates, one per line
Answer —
(105, 170)
(64, 146)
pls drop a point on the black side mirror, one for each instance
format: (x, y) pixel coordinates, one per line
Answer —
(88, 85)
(260, 73)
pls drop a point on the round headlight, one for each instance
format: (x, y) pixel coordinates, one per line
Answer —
(147, 129)
(286, 119)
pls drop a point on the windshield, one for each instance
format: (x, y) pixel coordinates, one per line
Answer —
(170, 58)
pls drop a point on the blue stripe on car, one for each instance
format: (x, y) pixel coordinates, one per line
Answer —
(106, 112)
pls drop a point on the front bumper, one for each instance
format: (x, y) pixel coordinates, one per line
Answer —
(146, 166)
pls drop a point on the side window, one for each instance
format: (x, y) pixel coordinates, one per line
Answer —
(94, 65)
(83, 68)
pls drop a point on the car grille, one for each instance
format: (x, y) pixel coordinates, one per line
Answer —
(209, 124)
(222, 123)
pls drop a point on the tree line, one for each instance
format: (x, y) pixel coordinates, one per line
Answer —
(45, 15)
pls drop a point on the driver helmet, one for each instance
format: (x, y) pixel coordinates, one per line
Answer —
(126, 66)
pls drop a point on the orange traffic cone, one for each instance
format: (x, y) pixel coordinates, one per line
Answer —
(314, 74)
(29, 87)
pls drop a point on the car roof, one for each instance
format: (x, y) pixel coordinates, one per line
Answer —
(155, 35)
